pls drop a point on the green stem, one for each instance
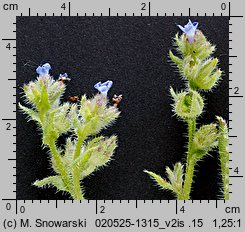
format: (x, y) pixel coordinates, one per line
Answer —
(80, 140)
(185, 194)
(60, 165)
(191, 132)
(190, 164)
(224, 156)
(224, 161)
(78, 195)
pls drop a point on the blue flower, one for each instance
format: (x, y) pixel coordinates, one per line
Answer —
(103, 88)
(189, 29)
(43, 70)
(65, 75)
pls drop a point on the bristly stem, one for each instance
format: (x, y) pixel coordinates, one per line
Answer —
(189, 173)
(223, 142)
(79, 143)
(190, 163)
(78, 147)
(78, 195)
(60, 165)
(191, 132)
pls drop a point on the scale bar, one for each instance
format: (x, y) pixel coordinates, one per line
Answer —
(8, 39)
(9, 119)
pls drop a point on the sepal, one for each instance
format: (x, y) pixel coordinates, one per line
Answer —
(44, 93)
(97, 153)
(205, 139)
(194, 65)
(176, 177)
(187, 105)
(96, 114)
(200, 49)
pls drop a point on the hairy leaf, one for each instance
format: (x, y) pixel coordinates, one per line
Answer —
(33, 115)
(160, 181)
(55, 181)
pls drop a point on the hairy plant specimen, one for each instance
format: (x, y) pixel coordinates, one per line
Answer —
(199, 70)
(84, 150)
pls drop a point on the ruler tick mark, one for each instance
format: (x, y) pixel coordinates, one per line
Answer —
(69, 8)
(96, 207)
(229, 10)
(149, 8)
(176, 206)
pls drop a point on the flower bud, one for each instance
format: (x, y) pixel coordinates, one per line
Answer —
(207, 75)
(102, 151)
(189, 29)
(96, 114)
(176, 177)
(188, 105)
(201, 73)
(205, 139)
(43, 87)
(200, 48)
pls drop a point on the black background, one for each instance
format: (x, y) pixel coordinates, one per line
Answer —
(133, 53)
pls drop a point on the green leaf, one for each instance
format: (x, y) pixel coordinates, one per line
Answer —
(62, 121)
(94, 142)
(207, 68)
(223, 144)
(97, 153)
(96, 115)
(77, 124)
(55, 92)
(175, 59)
(31, 113)
(43, 104)
(55, 181)
(160, 181)
(205, 50)
(32, 93)
(49, 131)
(212, 80)
(69, 154)
(205, 139)
(176, 177)
(80, 164)
(178, 170)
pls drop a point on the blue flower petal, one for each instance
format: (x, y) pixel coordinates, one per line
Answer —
(103, 88)
(43, 69)
(189, 29)
(63, 75)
